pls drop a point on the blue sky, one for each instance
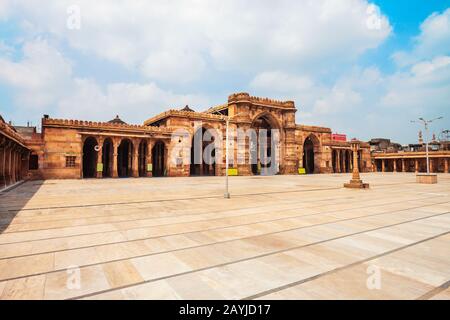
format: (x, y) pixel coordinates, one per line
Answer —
(364, 68)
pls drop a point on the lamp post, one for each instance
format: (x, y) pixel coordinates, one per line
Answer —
(426, 123)
(227, 121)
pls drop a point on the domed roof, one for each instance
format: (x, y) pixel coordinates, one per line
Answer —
(187, 109)
(117, 120)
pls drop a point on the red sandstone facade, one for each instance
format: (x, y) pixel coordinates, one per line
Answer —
(85, 149)
(14, 156)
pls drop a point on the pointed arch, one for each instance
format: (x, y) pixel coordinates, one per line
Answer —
(159, 159)
(311, 154)
(265, 161)
(142, 158)
(89, 157)
(107, 157)
(125, 158)
(198, 165)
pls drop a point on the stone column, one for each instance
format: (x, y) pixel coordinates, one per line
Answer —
(344, 162)
(356, 181)
(403, 165)
(115, 173)
(3, 160)
(99, 174)
(416, 165)
(383, 165)
(350, 161)
(446, 165)
(5, 166)
(431, 165)
(19, 165)
(135, 166)
(338, 161)
(355, 173)
(13, 166)
(395, 165)
(10, 181)
(149, 158)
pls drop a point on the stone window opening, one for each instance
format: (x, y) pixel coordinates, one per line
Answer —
(70, 161)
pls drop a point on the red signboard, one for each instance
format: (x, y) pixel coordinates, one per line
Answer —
(339, 137)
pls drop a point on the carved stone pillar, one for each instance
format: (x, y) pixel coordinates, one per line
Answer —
(395, 165)
(11, 165)
(431, 166)
(383, 165)
(416, 165)
(6, 165)
(338, 161)
(100, 164)
(2, 166)
(446, 165)
(403, 165)
(344, 161)
(356, 181)
(135, 165)
(115, 173)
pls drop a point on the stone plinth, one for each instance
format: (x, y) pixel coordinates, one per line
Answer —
(426, 178)
(356, 184)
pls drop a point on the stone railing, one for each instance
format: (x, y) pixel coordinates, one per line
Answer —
(217, 108)
(244, 96)
(10, 133)
(313, 128)
(186, 114)
(410, 154)
(102, 125)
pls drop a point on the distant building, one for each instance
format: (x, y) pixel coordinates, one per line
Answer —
(384, 145)
(392, 157)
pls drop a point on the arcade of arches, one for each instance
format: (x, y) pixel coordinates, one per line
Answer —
(409, 163)
(115, 157)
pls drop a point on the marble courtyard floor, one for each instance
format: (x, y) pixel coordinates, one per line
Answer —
(281, 237)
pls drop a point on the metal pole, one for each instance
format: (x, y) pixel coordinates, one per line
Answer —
(227, 194)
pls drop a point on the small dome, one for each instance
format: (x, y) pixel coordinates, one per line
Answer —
(117, 120)
(187, 109)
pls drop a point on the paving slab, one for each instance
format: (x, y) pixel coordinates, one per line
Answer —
(279, 237)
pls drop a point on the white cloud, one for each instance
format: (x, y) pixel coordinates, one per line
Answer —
(433, 40)
(40, 77)
(134, 102)
(425, 86)
(43, 82)
(182, 40)
(4, 9)
(185, 66)
(5, 49)
(281, 82)
(364, 102)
